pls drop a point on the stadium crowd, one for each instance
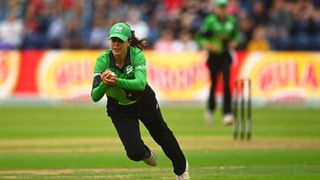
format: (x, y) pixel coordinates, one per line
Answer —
(170, 25)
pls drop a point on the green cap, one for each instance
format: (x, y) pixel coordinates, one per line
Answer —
(121, 31)
(221, 2)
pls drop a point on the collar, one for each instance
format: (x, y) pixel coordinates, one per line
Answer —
(113, 61)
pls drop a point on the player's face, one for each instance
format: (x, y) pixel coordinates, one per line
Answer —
(118, 46)
(221, 11)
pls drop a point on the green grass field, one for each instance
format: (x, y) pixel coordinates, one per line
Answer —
(80, 142)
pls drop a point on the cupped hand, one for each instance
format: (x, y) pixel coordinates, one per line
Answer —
(109, 78)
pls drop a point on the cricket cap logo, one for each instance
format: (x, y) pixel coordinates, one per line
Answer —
(118, 29)
(121, 31)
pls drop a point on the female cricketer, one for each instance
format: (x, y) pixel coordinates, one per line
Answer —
(219, 34)
(120, 74)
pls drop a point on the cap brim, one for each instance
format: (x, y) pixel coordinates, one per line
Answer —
(120, 36)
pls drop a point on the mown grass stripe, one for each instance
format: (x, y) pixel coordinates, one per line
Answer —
(114, 144)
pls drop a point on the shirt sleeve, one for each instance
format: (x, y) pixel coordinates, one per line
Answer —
(204, 33)
(98, 87)
(140, 75)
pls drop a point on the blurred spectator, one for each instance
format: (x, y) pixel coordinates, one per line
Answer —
(246, 29)
(185, 42)
(57, 27)
(3, 10)
(186, 22)
(173, 6)
(196, 12)
(258, 14)
(116, 11)
(98, 35)
(165, 42)
(154, 33)
(16, 6)
(141, 28)
(259, 40)
(37, 22)
(315, 21)
(11, 32)
(73, 38)
(280, 22)
(301, 28)
(234, 7)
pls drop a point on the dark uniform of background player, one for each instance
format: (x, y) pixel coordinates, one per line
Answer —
(120, 74)
(218, 34)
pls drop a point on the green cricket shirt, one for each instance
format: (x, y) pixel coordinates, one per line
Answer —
(218, 32)
(131, 77)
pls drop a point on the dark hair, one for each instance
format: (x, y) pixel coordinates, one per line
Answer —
(139, 43)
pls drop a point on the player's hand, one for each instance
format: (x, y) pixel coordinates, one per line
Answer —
(109, 78)
(232, 45)
(106, 74)
(212, 47)
(224, 37)
(111, 81)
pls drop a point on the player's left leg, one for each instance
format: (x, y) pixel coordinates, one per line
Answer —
(228, 117)
(160, 132)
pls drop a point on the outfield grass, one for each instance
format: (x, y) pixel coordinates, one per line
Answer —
(80, 142)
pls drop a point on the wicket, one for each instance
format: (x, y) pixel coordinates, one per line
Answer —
(242, 93)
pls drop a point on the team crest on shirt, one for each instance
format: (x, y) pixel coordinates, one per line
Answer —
(229, 26)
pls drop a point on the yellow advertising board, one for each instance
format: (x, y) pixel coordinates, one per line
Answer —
(275, 76)
(174, 76)
(66, 74)
(9, 72)
(280, 76)
(178, 76)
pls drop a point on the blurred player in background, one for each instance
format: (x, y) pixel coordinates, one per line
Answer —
(218, 35)
(120, 74)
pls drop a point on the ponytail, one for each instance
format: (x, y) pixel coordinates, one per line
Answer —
(139, 43)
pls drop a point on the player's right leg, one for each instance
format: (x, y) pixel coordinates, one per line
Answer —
(211, 102)
(129, 133)
(151, 160)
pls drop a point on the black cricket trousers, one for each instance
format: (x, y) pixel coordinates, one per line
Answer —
(220, 64)
(126, 121)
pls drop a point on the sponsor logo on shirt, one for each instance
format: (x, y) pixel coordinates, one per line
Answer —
(141, 67)
(129, 69)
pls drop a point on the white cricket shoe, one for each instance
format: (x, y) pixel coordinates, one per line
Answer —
(151, 160)
(185, 175)
(208, 117)
(228, 119)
